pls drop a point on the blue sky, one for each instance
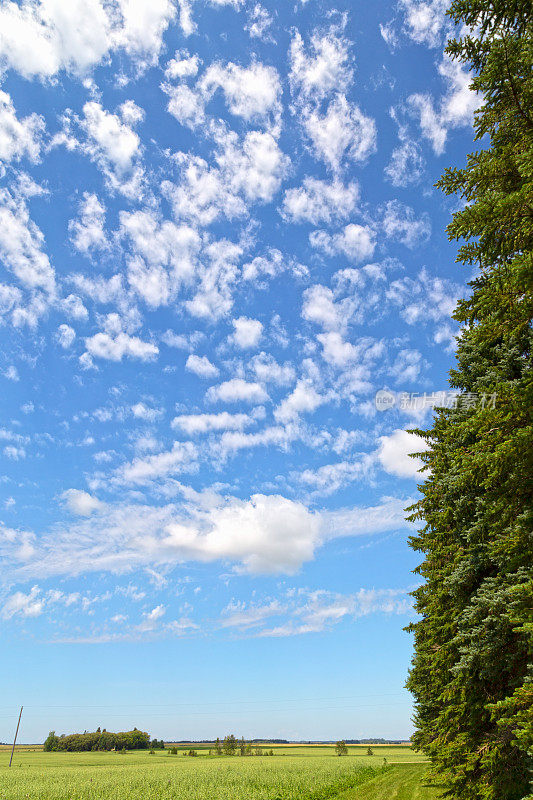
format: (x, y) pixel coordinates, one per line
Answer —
(219, 238)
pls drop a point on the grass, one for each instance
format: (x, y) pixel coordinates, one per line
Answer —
(294, 773)
(405, 782)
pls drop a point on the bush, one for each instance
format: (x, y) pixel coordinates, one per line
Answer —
(369, 751)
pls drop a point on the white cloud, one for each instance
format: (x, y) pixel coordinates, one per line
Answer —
(426, 22)
(186, 105)
(14, 453)
(163, 256)
(11, 373)
(80, 502)
(181, 458)
(21, 250)
(142, 27)
(399, 222)
(264, 534)
(201, 366)
(331, 477)
(185, 17)
(406, 165)
(267, 369)
(319, 201)
(214, 295)
(151, 618)
(343, 132)
(192, 424)
(356, 242)
(424, 299)
(237, 390)
(273, 436)
(393, 454)
(65, 336)
(251, 92)
(114, 346)
(247, 332)
(183, 65)
(455, 109)
(19, 138)
(142, 411)
(114, 145)
(243, 616)
(246, 171)
(407, 366)
(316, 611)
(43, 37)
(321, 306)
(87, 232)
(324, 69)
(259, 22)
(25, 605)
(303, 399)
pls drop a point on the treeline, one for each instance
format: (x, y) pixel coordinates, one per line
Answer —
(471, 676)
(230, 746)
(102, 740)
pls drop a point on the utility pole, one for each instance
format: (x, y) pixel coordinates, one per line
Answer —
(15, 739)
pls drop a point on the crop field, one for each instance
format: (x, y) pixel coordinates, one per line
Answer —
(293, 773)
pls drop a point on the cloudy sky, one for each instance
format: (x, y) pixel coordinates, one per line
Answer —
(219, 238)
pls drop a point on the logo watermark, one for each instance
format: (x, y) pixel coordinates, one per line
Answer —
(385, 399)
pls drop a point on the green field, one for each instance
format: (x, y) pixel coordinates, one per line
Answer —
(293, 773)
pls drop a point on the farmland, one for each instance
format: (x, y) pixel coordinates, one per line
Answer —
(294, 773)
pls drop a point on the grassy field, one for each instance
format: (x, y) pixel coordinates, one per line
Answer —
(294, 773)
(405, 782)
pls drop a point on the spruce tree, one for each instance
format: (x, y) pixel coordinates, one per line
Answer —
(471, 674)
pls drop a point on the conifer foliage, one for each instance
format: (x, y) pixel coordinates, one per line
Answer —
(470, 677)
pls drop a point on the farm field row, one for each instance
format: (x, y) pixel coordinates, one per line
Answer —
(311, 774)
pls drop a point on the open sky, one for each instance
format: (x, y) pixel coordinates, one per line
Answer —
(219, 238)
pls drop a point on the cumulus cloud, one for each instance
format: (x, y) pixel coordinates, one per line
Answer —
(65, 336)
(114, 145)
(356, 242)
(342, 132)
(19, 138)
(323, 68)
(263, 534)
(317, 201)
(406, 165)
(201, 366)
(163, 255)
(80, 502)
(303, 399)
(247, 332)
(22, 253)
(192, 424)
(424, 299)
(251, 92)
(181, 458)
(24, 605)
(454, 110)
(88, 232)
(400, 222)
(259, 22)
(247, 170)
(114, 344)
(425, 22)
(237, 390)
(394, 454)
(43, 37)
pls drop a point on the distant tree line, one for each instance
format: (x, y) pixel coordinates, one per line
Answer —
(101, 740)
(230, 746)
